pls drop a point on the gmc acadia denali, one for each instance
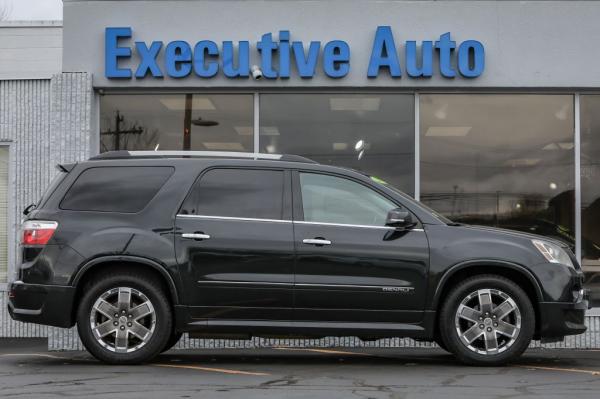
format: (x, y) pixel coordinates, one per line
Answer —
(138, 247)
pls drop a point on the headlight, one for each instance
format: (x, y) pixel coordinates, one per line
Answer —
(553, 253)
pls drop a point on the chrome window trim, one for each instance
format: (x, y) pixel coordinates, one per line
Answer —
(233, 218)
(364, 226)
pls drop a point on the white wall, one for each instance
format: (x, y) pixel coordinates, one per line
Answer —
(30, 50)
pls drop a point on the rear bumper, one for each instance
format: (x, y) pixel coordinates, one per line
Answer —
(558, 319)
(51, 305)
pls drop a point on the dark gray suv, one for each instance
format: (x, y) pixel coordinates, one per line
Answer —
(138, 247)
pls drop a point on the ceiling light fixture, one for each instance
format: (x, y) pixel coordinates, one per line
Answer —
(448, 131)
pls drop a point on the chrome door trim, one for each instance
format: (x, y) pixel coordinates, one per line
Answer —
(232, 218)
(244, 282)
(385, 288)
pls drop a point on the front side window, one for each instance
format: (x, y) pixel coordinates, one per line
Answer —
(242, 193)
(330, 199)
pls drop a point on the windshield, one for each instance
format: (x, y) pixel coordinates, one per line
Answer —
(439, 217)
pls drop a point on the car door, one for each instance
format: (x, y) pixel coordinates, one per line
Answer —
(234, 245)
(349, 265)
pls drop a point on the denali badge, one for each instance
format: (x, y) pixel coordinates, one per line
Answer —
(397, 289)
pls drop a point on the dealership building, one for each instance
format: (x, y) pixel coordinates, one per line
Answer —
(488, 112)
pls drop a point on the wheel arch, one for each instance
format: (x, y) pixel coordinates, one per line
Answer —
(516, 273)
(95, 265)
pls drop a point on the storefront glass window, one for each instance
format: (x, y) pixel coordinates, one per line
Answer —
(590, 193)
(373, 133)
(500, 160)
(218, 122)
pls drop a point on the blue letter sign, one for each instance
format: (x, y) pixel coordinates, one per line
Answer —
(279, 55)
(112, 52)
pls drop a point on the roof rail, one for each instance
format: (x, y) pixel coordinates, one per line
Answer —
(123, 154)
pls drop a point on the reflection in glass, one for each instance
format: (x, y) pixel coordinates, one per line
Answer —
(373, 133)
(500, 160)
(330, 199)
(590, 193)
(216, 122)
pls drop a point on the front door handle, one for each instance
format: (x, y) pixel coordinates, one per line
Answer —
(195, 236)
(316, 241)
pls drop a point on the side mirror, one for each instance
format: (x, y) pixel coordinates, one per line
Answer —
(399, 218)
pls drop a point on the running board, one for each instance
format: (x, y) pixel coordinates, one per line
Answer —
(304, 328)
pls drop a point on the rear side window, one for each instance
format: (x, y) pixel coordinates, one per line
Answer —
(126, 189)
(244, 193)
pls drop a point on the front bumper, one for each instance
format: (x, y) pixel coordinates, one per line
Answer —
(51, 305)
(558, 319)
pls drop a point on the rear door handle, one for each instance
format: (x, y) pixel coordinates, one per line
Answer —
(316, 241)
(195, 236)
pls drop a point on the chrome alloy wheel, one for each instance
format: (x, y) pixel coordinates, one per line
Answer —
(488, 321)
(122, 320)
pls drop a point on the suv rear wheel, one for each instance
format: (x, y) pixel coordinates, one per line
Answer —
(487, 320)
(124, 318)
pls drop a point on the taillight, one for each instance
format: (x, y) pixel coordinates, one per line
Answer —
(38, 232)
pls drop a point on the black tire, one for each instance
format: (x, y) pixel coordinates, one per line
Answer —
(518, 343)
(173, 339)
(161, 319)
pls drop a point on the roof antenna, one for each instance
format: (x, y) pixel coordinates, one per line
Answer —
(156, 148)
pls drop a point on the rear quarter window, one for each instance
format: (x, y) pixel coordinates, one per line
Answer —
(124, 189)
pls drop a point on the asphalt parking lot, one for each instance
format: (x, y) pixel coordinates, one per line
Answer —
(27, 370)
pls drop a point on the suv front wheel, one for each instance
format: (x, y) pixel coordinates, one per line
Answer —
(487, 320)
(124, 318)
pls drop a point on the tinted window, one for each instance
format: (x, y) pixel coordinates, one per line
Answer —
(330, 199)
(115, 189)
(246, 193)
